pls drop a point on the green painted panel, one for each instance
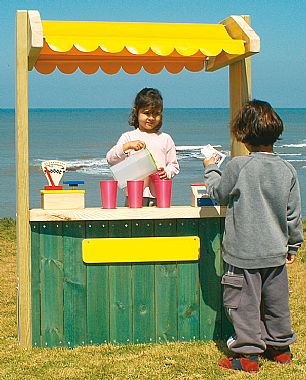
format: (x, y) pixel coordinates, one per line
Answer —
(227, 328)
(75, 300)
(35, 284)
(144, 329)
(97, 291)
(188, 288)
(210, 278)
(76, 304)
(120, 291)
(51, 277)
(166, 288)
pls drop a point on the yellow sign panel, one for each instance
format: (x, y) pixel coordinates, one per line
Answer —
(144, 249)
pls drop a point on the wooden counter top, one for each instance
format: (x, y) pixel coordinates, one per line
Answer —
(125, 213)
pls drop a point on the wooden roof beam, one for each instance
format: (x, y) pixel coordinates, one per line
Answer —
(35, 38)
(238, 27)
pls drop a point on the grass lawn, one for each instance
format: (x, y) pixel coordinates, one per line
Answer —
(158, 361)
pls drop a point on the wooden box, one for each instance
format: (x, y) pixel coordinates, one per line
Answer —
(62, 199)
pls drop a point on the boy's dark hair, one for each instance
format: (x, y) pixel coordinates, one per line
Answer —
(148, 98)
(257, 124)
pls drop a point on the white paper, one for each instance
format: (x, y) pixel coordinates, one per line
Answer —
(209, 151)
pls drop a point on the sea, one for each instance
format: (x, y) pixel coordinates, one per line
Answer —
(81, 138)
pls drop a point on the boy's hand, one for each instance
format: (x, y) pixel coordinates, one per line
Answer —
(209, 161)
(134, 145)
(162, 173)
(290, 258)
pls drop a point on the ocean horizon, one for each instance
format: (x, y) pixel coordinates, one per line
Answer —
(82, 136)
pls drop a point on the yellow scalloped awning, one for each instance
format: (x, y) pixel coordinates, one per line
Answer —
(70, 45)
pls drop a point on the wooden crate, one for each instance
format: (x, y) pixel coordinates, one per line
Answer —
(82, 304)
(62, 199)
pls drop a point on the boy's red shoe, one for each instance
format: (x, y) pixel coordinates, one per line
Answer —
(247, 363)
(280, 355)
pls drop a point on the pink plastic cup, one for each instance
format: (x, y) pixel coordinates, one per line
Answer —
(163, 192)
(109, 193)
(135, 193)
(155, 177)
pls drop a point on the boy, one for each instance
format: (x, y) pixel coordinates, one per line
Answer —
(263, 231)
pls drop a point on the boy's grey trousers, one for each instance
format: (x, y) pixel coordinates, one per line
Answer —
(256, 301)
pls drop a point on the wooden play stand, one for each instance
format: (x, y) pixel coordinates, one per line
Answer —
(63, 301)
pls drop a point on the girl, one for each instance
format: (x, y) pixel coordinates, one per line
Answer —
(146, 117)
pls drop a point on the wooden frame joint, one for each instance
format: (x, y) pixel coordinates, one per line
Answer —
(35, 38)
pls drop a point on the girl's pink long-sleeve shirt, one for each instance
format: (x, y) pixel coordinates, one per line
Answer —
(160, 145)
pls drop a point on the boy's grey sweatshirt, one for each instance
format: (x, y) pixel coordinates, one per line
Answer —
(263, 219)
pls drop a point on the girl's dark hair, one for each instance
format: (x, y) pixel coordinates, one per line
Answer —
(148, 98)
(257, 124)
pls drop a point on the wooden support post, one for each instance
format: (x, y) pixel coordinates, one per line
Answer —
(22, 182)
(240, 93)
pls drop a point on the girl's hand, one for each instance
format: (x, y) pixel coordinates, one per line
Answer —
(209, 161)
(134, 145)
(162, 173)
(290, 258)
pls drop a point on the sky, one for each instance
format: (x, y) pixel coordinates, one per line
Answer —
(278, 71)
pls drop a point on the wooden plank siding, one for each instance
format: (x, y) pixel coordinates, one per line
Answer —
(188, 301)
(120, 282)
(75, 304)
(144, 323)
(35, 284)
(97, 291)
(210, 277)
(51, 274)
(166, 289)
(75, 300)
(227, 328)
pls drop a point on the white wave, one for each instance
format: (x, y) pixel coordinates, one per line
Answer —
(94, 170)
(296, 160)
(292, 145)
(289, 154)
(86, 163)
(180, 156)
(194, 147)
(93, 166)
